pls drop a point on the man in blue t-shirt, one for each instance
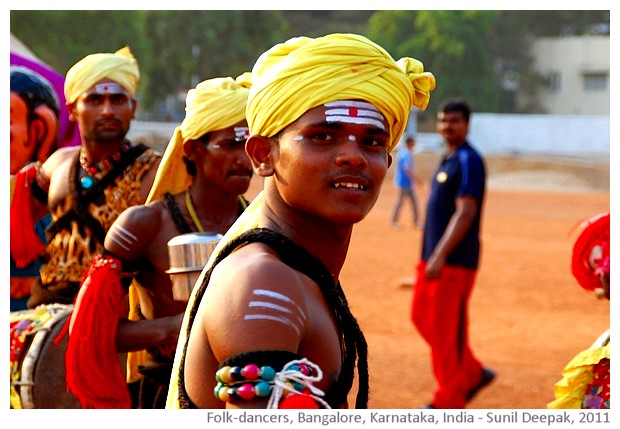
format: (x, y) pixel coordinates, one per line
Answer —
(449, 263)
(405, 180)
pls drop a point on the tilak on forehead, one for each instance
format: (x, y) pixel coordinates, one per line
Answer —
(109, 88)
(354, 112)
(242, 133)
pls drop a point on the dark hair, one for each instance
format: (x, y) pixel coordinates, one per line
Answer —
(456, 105)
(34, 89)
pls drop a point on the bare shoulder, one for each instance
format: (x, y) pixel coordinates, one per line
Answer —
(58, 158)
(265, 304)
(134, 229)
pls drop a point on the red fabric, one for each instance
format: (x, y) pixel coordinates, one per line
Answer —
(26, 247)
(439, 311)
(301, 401)
(94, 374)
(595, 233)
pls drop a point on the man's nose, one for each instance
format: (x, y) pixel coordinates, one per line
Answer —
(351, 154)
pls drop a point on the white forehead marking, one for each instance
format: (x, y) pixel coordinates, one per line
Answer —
(122, 237)
(352, 138)
(110, 88)
(298, 138)
(284, 310)
(354, 112)
(242, 133)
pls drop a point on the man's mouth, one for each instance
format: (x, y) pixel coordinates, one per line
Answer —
(349, 185)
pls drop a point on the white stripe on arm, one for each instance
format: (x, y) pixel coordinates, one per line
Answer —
(122, 237)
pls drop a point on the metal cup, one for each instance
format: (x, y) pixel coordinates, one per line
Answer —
(188, 255)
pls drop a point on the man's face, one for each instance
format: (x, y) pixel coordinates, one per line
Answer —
(331, 161)
(104, 112)
(225, 164)
(452, 126)
(22, 149)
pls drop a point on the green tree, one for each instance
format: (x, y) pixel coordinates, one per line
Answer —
(62, 37)
(453, 45)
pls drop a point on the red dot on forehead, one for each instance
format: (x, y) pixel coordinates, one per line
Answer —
(353, 111)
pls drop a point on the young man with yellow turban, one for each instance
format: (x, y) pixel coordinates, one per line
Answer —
(199, 187)
(268, 324)
(86, 187)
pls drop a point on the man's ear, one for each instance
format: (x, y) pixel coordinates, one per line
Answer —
(45, 132)
(188, 148)
(259, 149)
(389, 159)
(70, 107)
(134, 107)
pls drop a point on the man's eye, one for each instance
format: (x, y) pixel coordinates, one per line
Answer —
(374, 142)
(119, 99)
(322, 137)
(93, 99)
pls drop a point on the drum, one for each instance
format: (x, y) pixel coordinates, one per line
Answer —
(37, 364)
(38, 358)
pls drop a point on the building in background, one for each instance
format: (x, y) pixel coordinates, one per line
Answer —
(576, 72)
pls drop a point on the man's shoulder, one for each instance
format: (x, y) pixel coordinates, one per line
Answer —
(148, 153)
(141, 215)
(63, 153)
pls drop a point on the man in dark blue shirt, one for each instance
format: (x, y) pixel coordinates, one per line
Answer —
(449, 263)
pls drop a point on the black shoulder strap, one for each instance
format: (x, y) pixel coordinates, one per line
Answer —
(176, 215)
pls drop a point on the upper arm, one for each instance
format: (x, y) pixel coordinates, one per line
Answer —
(132, 232)
(254, 303)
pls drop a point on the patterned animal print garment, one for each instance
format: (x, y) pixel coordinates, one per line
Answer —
(72, 249)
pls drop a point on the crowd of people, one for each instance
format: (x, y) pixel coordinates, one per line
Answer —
(267, 324)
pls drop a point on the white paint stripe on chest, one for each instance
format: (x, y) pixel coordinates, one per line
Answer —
(122, 237)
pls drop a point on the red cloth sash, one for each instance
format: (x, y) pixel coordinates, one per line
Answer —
(94, 374)
(26, 247)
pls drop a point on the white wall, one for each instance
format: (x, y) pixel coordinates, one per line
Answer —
(566, 135)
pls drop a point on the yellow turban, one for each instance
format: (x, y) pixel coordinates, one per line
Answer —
(293, 77)
(120, 66)
(214, 105)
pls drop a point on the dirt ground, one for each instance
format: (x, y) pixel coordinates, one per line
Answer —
(528, 315)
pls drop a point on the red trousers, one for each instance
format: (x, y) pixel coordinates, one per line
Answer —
(439, 312)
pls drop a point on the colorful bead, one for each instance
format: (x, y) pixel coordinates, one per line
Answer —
(223, 394)
(223, 375)
(235, 373)
(250, 372)
(87, 182)
(246, 391)
(304, 369)
(262, 389)
(233, 394)
(267, 373)
(289, 390)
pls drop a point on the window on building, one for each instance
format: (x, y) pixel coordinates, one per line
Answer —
(595, 81)
(554, 82)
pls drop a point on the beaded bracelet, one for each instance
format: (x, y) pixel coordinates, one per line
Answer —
(251, 381)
